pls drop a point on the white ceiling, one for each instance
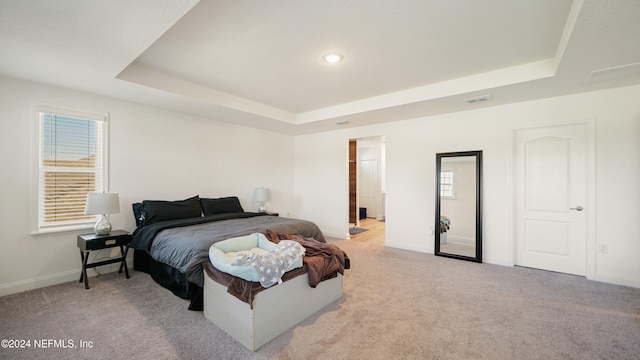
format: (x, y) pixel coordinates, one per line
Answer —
(259, 63)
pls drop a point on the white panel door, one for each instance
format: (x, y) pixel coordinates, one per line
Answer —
(550, 194)
(369, 186)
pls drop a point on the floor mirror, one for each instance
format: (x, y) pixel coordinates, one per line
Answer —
(458, 230)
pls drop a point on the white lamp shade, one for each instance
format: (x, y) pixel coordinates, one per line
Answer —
(102, 203)
(261, 194)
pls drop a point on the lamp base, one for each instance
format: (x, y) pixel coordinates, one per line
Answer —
(103, 226)
(262, 207)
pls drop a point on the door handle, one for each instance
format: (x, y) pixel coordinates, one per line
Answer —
(577, 208)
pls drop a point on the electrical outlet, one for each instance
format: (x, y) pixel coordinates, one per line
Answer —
(603, 249)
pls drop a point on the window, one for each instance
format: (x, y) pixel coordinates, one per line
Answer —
(71, 164)
(446, 184)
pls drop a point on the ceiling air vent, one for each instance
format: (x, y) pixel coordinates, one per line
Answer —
(477, 99)
(613, 73)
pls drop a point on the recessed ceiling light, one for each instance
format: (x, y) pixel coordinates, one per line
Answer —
(332, 58)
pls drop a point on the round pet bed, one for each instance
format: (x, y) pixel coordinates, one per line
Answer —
(226, 255)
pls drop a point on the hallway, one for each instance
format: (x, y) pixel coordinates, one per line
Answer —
(375, 234)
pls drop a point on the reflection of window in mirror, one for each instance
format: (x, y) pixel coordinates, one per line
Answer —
(446, 184)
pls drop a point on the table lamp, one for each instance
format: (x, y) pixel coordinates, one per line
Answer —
(261, 195)
(102, 204)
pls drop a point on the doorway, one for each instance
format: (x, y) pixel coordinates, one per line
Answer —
(367, 183)
(551, 200)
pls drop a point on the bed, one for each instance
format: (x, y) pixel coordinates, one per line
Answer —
(173, 238)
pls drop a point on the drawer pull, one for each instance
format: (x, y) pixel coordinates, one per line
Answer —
(110, 242)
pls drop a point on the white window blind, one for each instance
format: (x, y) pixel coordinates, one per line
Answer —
(446, 184)
(71, 164)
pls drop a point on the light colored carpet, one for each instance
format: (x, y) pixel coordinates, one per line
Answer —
(397, 305)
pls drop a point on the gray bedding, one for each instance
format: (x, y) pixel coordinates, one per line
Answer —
(186, 247)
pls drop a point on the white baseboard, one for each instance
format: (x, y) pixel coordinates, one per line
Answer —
(337, 236)
(39, 282)
(58, 278)
(493, 261)
(408, 246)
(635, 283)
(459, 240)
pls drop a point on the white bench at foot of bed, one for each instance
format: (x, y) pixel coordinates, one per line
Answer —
(275, 310)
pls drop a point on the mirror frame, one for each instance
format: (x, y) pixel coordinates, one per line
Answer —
(478, 156)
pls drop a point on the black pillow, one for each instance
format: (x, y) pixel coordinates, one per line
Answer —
(152, 211)
(136, 212)
(230, 204)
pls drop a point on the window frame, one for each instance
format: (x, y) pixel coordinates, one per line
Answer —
(102, 120)
(451, 184)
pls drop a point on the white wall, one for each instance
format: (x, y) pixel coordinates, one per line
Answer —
(154, 154)
(165, 155)
(411, 145)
